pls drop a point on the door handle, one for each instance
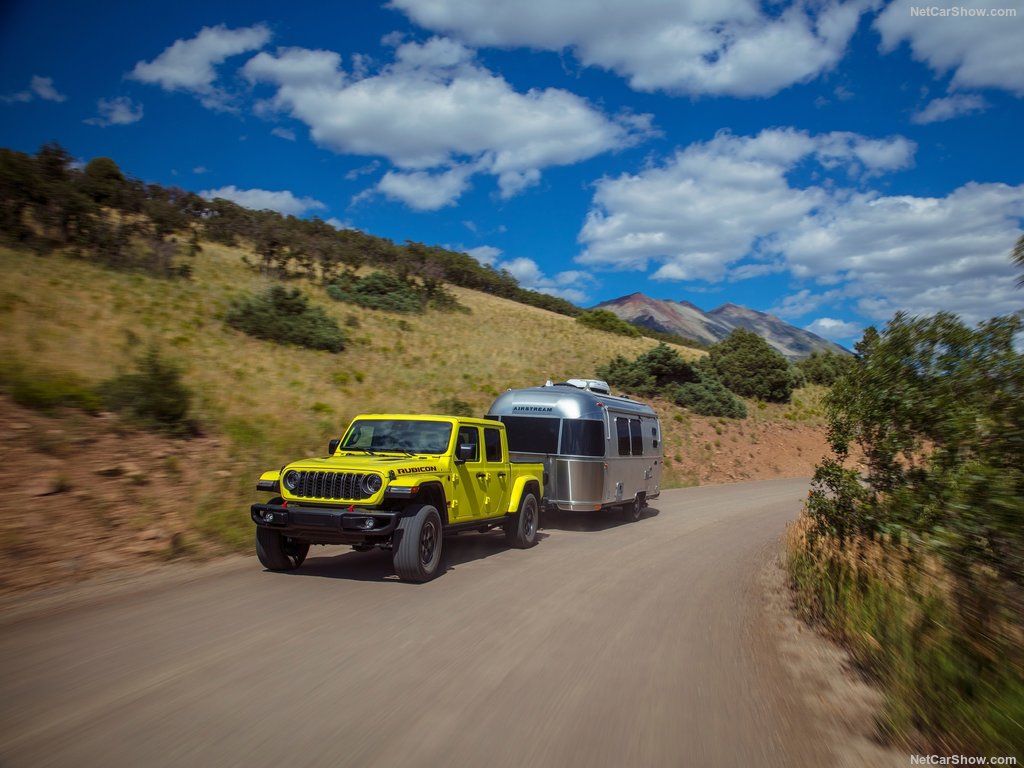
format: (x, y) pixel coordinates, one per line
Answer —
(483, 475)
(501, 474)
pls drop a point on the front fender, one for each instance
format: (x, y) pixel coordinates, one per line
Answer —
(270, 481)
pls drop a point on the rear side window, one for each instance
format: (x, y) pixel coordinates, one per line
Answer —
(636, 437)
(531, 434)
(492, 444)
(582, 437)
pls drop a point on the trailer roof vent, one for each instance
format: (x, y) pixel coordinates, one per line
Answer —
(594, 385)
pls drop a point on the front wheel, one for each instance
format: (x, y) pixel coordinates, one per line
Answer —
(521, 531)
(417, 553)
(278, 552)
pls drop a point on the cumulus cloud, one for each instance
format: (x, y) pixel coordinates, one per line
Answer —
(729, 209)
(119, 110)
(485, 254)
(837, 330)
(439, 117)
(713, 203)
(261, 199)
(938, 110)
(190, 65)
(39, 88)
(570, 285)
(283, 133)
(730, 47)
(980, 51)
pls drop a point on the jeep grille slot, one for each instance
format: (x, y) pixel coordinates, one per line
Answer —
(330, 485)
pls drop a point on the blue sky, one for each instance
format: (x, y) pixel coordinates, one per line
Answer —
(830, 162)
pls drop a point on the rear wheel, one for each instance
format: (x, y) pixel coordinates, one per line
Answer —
(278, 552)
(417, 553)
(521, 531)
(631, 512)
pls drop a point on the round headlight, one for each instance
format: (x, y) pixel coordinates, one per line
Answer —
(372, 484)
(290, 480)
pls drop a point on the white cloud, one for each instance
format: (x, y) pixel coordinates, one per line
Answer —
(729, 209)
(938, 110)
(283, 133)
(434, 109)
(190, 65)
(571, 285)
(119, 110)
(43, 88)
(734, 47)
(39, 87)
(980, 51)
(485, 254)
(837, 330)
(712, 203)
(423, 191)
(261, 199)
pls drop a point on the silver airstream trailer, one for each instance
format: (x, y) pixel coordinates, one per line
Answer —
(599, 451)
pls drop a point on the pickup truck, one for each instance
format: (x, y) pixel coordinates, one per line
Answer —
(399, 482)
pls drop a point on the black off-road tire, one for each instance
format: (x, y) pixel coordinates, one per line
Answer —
(417, 551)
(521, 530)
(631, 512)
(278, 552)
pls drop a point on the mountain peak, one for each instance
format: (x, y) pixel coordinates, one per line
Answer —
(691, 322)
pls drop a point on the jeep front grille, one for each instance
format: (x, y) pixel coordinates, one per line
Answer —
(330, 485)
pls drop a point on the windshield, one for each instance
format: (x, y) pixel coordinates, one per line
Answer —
(398, 435)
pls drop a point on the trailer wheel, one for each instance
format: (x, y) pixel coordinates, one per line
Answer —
(631, 512)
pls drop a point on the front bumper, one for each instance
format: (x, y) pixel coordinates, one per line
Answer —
(326, 525)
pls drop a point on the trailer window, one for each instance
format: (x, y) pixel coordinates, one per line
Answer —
(622, 432)
(582, 437)
(531, 434)
(636, 437)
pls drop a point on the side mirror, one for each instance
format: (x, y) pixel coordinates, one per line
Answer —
(333, 446)
(465, 452)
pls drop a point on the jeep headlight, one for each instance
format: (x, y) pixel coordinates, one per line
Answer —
(291, 480)
(372, 484)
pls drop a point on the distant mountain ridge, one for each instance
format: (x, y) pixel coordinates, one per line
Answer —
(690, 321)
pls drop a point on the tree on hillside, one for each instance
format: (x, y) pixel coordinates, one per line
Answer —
(103, 181)
(823, 367)
(748, 366)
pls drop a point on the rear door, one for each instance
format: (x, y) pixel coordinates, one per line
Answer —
(496, 470)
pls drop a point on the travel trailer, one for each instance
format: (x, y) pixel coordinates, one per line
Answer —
(599, 451)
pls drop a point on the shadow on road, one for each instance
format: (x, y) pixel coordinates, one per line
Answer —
(602, 520)
(344, 563)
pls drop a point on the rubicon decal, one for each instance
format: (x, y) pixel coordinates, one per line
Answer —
(414, 470)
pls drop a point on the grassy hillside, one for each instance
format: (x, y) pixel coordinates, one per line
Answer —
(260, 404)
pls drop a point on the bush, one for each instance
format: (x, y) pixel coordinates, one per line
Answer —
(747, 365)
(605, 320)
(662, 371)
(285, 316)
(154, 395)
(48, 391)
(379, 290)
(823, 368)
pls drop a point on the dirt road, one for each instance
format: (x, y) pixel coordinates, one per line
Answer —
(608, 644)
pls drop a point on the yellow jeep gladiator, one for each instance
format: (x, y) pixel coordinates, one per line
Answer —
(399, 482)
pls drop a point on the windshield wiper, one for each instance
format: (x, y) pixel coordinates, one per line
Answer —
(364, 450)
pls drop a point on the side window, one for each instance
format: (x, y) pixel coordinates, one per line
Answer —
(622, 431)
(636, 437)
(492, 444)
(470, 436)
(654, 435)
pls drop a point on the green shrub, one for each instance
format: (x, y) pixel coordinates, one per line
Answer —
(379, 290)
(708, 397)
(605, 320)
(48, 391)
(748, 365)
(285, 316)
(823, 368)
(154, 396)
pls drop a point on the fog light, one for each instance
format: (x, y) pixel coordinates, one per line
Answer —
(268, 516)
(368, 523)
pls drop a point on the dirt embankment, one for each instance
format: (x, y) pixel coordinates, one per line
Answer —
(85, 494)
